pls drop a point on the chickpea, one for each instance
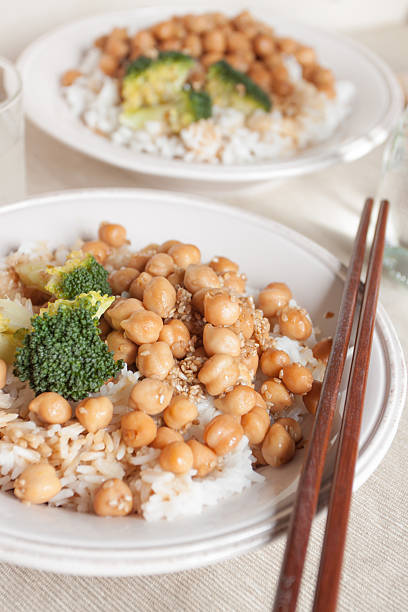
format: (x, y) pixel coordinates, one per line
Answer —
(116, 47)
(51, 408)
(204, 459)
(282, 88)
(165, 436)
(234, 282)
(199, 276)
(272, 361)
(159, 296)
(108, 64)
(155, 360)
(237, 402)
(192, 45)
(292, 427)
(142, 326)
(221, 308)
(215, 41)
(143, 40)
(322, 349)
(37, 484)
(177, 336)
(198, 300)
(276, 395)
(176, 457)
(297, 378)
(197, 23)
(69, 77)
(273, 298)
(121, 310)
(160, 264)
(120, 280)
(172, 44)
(166, 246)
(98, 249)
(261, 76)
(278, 447)
(150, 395)
(185, 254)
(222, 264)
(255, 424)
(244, 324)
(287, 45)
(322, 76)
(264, 45)
(180, 412)
(113, 234)
(94, 413)
(237, 61)
(121, 347)
(311, 399)
(251, 361)
(223, 433)
(3, 373)
(164, 30)
(176, 278)
(137, 287)
(260, 402)
(306, 56)
(113, 498)
(295, 324)
(138, 429)
(104, 328)
(220, 340)
(237, 41)
(218, 373)
(138, 261)
(100, 42)
(210, 58)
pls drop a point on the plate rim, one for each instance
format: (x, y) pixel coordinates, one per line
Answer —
(350, 150)
(197, 553)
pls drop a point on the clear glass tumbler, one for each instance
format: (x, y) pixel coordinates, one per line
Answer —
(394, 187)
(12, 162)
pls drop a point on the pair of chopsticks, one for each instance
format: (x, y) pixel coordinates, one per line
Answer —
(310, 479)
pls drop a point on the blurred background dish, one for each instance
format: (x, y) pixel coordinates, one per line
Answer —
(376, 105)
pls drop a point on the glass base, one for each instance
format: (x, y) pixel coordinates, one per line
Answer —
(396, 263)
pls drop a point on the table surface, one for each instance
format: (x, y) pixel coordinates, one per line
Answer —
(325, 207)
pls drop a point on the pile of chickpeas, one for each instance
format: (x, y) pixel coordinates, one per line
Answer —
(151, 334)
(245, 43)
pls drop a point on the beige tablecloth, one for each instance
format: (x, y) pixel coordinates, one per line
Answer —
(325, 207)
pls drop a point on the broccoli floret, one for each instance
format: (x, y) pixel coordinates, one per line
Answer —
(63, 352)
(155, 81)
(78, 275)
(188, 106)
(14, 319)
(230, 87)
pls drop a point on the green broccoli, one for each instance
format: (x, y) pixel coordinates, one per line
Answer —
(78, 275)
(63, 352)
(230, 87)
(155, 81)
(188, 106)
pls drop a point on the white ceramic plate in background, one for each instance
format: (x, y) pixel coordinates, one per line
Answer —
(64, 541)
(376, 107)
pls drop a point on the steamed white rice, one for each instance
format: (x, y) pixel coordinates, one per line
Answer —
(227, 137)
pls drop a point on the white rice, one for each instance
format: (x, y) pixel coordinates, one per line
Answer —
(227, 137)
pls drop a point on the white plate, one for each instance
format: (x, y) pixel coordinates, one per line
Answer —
(376, 107)
(63, 541)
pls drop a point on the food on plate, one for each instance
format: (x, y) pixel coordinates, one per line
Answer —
(153, 397)
(206, 88)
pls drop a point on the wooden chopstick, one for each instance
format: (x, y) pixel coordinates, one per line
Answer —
(311, 475)
(340, 496)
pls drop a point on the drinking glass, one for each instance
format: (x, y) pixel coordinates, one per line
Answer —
(394, 187)
(12, 163)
